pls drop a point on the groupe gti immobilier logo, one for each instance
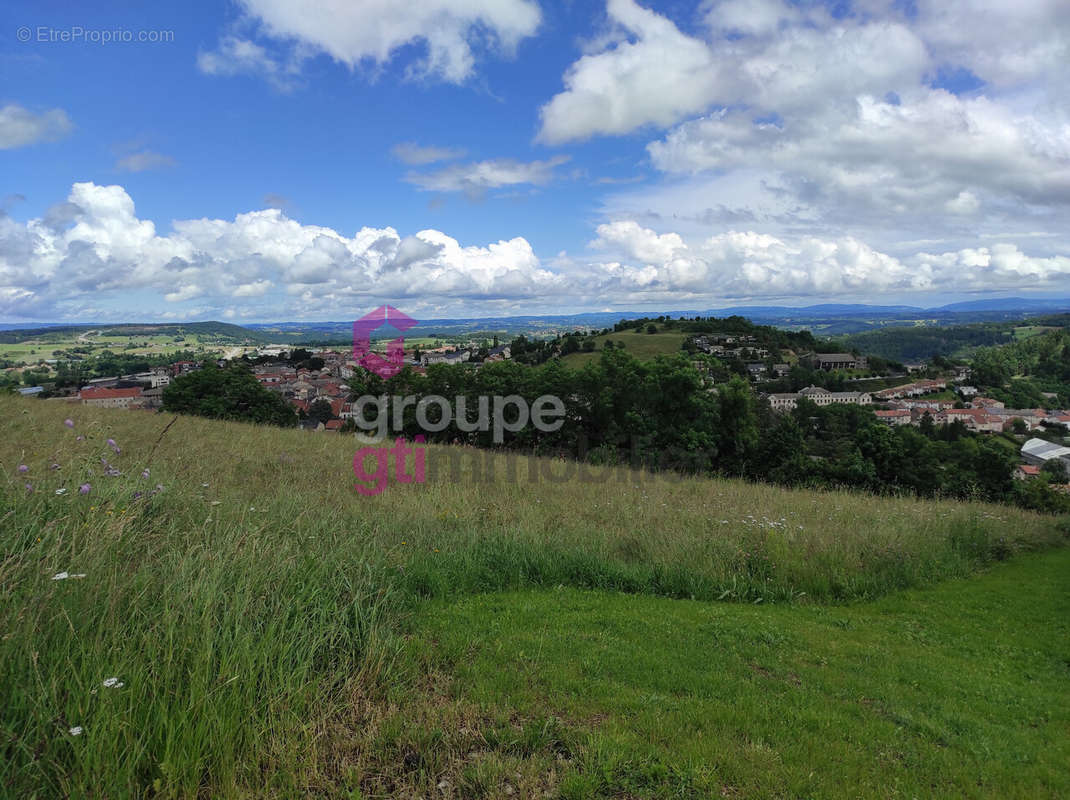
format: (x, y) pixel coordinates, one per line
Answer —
(546, 413)
(363, 328)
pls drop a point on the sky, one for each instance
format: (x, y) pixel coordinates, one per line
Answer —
(268, 160)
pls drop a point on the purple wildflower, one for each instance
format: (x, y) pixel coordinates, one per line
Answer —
(112, 472)
(80, 439)
(69, 423)
(145, 473)
(113, 446)
(104, 461)
(137, 495)
(23, 469)
(54, 467)
(84, 488)
(29, 487)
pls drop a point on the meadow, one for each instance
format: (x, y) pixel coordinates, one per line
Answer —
(643, 346)
(192, 608)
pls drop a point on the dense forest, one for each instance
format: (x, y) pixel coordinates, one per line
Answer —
(919, 343)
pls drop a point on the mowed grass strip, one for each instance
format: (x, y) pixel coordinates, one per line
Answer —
(245, 594)
(955, 691)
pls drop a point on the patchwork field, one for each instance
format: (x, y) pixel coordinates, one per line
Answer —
(505, 627)
(61, 347)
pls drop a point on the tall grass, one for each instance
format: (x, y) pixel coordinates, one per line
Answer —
(236, 602)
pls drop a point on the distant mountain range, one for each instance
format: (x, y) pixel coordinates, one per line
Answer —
(825, 318)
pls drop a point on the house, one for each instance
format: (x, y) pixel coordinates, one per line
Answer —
(986, 402)
(182, 367)
(756, 370)
(781, 370)
(1025, 471)
(455, 357)
(500, 353)
(830, 361)
(333, 425)
(968, 391)
(912, 368)
(111, 398)
(975, 419)
(782, 401)
(895, 416)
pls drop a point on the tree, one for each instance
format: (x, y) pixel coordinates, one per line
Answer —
(232, 393)
(737, 423)
(320, 411)
(651, 328)
(1054, 470)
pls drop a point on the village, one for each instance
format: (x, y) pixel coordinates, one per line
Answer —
(302, 386)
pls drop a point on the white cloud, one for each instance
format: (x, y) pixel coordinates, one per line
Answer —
(97, 256)
(414, 154)
(751, 264)
(1005, 43)
(142, 161)
(98, 248)
(477, 177)
(20, 127)
(647, 72)
(238, 56)
(372, 31)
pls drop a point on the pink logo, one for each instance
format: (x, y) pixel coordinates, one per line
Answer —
(395, 349)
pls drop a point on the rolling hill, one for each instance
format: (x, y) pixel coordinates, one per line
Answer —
(214, 611)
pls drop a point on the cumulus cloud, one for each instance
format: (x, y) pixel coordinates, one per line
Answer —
(20, 127)
(929, 150)
(96, 251)
(96, 247)
(751, 264)
(372, 32)
(784, 118)
(647, 72)
(476, 178)
(1005, 44)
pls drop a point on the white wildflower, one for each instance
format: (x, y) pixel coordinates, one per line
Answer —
(61, 491)
(113, 683)
(75, 731)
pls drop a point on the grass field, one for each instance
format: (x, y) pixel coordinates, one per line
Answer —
(643, 346)
(53, 346)
(1026, 331)
(277, 634)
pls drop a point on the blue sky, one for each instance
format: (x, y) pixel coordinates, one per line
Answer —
(521, 156)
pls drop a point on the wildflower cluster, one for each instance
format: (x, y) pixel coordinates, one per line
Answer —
(85, 487)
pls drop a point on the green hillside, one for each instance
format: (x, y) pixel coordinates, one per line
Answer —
(277, 634)
(643, 346)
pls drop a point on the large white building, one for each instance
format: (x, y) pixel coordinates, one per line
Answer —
(1040, 452)
(786, 401)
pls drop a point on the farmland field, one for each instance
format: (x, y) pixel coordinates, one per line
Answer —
(612, 634)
